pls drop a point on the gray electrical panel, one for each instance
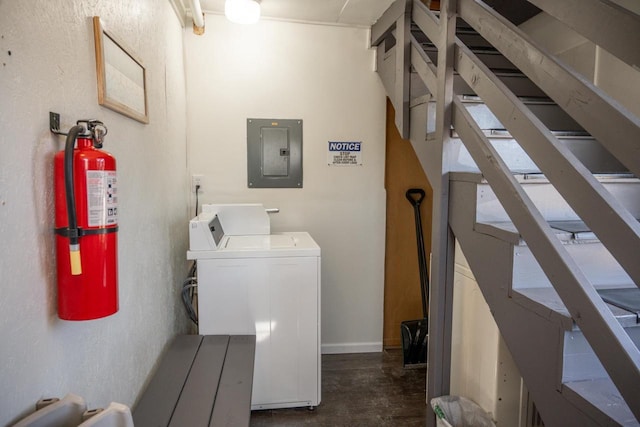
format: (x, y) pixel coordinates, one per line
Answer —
(274, 153)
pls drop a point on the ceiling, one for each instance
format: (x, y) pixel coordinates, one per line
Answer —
(343, 12)
(361, 13)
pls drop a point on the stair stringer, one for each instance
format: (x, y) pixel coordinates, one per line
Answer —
(534, 340)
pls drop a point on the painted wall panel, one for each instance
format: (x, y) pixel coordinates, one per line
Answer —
(324, 76)
(47, 64)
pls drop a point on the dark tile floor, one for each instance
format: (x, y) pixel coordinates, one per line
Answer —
(368, 389)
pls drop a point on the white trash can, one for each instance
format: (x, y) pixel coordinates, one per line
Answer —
(456, 411)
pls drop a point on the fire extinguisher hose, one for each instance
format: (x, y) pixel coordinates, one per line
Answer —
(74, 243)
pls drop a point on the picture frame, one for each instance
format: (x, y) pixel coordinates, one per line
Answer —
(121, 76)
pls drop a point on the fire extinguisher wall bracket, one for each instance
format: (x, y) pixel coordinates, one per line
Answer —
(94, 128)
(86, 222)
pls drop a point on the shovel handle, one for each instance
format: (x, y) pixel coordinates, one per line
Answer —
(415, 192)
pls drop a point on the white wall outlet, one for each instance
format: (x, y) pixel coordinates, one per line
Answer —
(196, 181)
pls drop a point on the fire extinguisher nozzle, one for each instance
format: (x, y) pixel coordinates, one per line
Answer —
(76, 263)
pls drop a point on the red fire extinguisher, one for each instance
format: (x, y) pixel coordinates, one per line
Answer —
(86, 199)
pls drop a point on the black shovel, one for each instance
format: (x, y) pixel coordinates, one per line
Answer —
(415, 332)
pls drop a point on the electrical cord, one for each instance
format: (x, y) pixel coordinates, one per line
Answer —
(197, 188)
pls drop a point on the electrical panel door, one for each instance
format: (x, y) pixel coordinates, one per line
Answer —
(274, 153)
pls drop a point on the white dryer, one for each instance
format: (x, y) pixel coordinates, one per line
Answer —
(252, 281)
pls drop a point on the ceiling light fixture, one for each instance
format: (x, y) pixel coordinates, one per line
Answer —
(242, 11)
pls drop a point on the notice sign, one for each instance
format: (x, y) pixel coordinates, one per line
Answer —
(345, 153)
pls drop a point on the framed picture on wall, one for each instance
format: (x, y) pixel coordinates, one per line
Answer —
(121, 76)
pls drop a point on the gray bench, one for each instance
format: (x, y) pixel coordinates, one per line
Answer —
(200, 381)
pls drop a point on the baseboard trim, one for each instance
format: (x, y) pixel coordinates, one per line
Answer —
(352, 347)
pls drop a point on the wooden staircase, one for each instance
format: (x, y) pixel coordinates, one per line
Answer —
(534, 171)
(560, 369)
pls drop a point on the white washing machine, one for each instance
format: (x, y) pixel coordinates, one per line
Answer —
(251, 281)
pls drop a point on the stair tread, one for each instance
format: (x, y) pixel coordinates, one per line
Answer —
(428, 46)
(604, 399)
(504, 134)
(529, 100)
(547, 303)
(539, 178)
(508, 232)
(537, 100)
(471, 99)
(570, 226)
(625, 298)
(574, 231)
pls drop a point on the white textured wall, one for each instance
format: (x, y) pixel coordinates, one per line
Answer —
(47, 63)
(322, 75)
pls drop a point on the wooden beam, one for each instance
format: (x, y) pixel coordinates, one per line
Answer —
(233, 397)
(616, 228)
(401, 95)
(610, 26)
(196, 398)
(423, 66)
(611, 124)
(159, 400)
(610, 342)
(387, 22)
(427, 21)
(442, 242)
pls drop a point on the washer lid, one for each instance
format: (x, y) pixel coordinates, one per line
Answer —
(269, 241)
(291, 244)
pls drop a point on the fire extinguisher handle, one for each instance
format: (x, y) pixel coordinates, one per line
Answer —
(97, 129)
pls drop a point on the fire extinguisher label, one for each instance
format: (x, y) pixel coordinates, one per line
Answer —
(102, 198)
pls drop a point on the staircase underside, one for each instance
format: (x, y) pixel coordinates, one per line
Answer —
(534, 322)
(516, 11)
(481, 101)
